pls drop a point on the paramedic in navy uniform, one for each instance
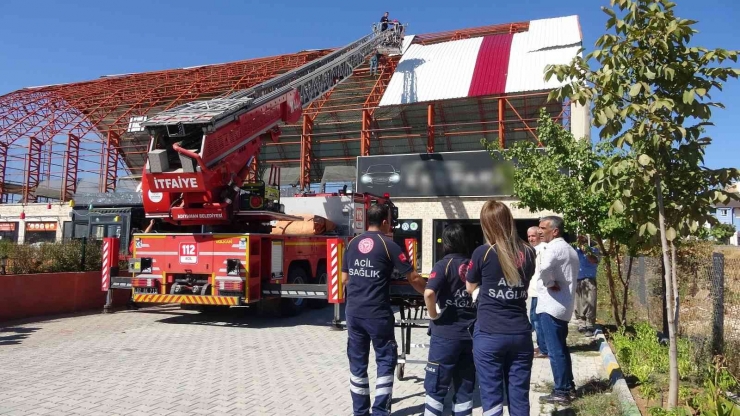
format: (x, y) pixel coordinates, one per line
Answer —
(451, 311)
(367, 267)
(502, 338)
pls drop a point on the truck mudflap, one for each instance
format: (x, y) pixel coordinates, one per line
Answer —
(187, 299)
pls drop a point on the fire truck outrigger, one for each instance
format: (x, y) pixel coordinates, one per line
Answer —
(196, 178)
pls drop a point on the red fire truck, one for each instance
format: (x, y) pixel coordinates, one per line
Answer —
(199, 177)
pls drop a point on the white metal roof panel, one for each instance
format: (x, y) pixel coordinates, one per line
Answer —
(407, 42)
(555, 32)
(433, 72)
(527, 62)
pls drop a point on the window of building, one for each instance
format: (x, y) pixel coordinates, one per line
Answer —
(9, 231)
(723, 212)
(40, 232)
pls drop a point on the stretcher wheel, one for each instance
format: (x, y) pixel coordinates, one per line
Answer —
(399, 371)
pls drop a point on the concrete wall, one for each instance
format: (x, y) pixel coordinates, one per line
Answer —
(429, 210)
(34, 295)
(58, 213)
(580, 121)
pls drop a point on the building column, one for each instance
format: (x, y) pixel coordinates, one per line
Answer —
(430, 128)
(306, 143)
(501, 138)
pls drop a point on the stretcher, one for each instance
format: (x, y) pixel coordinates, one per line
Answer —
(412, 315)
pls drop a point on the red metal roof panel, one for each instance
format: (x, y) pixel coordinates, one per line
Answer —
(489, 76)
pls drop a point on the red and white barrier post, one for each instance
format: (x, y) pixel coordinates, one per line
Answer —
(334, 282)
(111, 246)
(411, 250)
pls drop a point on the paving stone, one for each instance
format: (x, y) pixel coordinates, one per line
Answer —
(166, 361)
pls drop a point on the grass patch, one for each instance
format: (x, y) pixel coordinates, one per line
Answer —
(594, 398)
(603, 404)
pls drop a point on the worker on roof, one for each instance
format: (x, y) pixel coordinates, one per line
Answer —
(450, 362)
(384, 22)
(374, 63)
(367, 268)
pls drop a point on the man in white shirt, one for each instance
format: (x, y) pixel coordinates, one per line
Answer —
(535, 239)
(556, 293)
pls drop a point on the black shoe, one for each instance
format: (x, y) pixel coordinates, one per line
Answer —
(573, 394)
(555, 399)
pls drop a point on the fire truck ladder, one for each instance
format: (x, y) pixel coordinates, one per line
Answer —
(312, 80)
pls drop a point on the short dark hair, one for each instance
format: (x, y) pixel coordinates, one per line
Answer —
(556, 222)
(376, 214)
(454, 240)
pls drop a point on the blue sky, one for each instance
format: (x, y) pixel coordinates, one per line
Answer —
(48, 41)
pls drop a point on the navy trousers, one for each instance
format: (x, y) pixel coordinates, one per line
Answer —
(535, 319)
(503, 362)
(556, 334)
(361, 332)
(450, 363)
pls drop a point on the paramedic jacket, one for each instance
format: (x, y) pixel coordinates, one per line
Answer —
(447, 280)
(502, 309)
(369, 260)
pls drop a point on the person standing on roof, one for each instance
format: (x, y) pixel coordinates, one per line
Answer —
(374, 63)
(451, 311)
(384, 22)
(367, 269)
(502, 338)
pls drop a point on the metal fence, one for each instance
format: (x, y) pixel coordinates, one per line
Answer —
(709, 298)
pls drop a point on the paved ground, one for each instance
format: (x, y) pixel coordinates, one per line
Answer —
(165, 361)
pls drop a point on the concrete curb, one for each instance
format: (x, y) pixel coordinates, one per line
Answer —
(610, 368)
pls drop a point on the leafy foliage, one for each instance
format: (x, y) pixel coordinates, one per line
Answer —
(555, 179)
(51, 257)
(651, 95)
(721, 233)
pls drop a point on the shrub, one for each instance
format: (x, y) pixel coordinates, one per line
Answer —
(51, 257)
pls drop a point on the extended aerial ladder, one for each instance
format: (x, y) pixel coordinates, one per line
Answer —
(201, 152)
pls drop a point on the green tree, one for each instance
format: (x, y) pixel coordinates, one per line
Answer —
(650, 92)
(555, 179)
(721, 233)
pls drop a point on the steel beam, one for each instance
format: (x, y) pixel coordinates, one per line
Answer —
(33, 170)
(71, 160)
(501, 138)
(430, 128)
(3, 166)
(110, 176)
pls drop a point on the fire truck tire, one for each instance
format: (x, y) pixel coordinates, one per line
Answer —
(290, 306)
(321, 277)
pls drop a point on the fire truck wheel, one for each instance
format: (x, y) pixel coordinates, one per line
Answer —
(293, 306)
(321, 277)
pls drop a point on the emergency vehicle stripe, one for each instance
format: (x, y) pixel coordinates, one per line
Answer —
(106, 270)
(497, 410)
(434, 404)
(334, 267)
(198, 300)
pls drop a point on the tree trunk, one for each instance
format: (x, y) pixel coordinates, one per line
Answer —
(674, 276)
(668, 277)
(625, 294)
(610, 278)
